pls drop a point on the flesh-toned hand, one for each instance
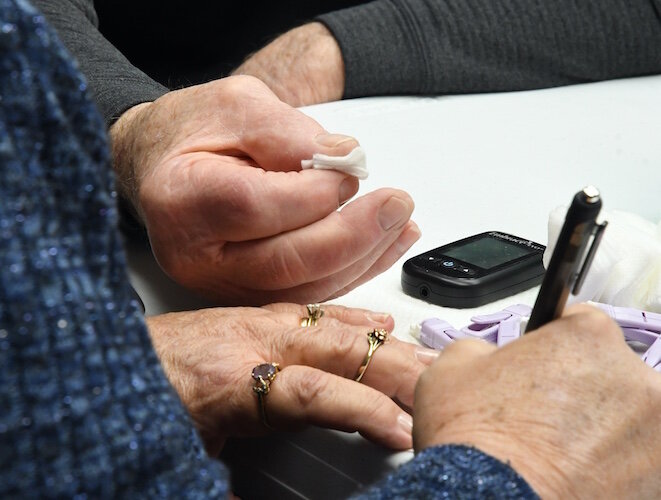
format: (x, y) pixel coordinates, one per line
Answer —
(215, 173)
(302, 66)
(569, 406)
(209, 354)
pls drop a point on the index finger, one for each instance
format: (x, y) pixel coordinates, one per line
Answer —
(349, 315)
(247, 203)
(394, 367)
(280, 136)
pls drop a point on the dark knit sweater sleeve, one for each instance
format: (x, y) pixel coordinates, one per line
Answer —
(115, 84)
(462, 46)
(452, 471)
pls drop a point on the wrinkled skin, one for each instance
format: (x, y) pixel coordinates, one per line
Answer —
(569, 406)
(302, 66)
(214, 173)
(208, 355)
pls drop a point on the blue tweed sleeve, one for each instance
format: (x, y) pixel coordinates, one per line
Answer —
(85, 408)
(451, 471)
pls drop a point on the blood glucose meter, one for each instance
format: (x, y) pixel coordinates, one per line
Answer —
(474, 271)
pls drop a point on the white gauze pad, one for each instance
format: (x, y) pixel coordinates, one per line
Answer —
(626, 270)
(352, 164)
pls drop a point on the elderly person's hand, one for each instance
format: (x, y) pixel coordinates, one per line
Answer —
(215, 173)
(209, 355)
(569, 406)
(302, 66)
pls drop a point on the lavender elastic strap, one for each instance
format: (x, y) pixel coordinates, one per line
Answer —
(437, 333)
(485, 326)
(628, 317)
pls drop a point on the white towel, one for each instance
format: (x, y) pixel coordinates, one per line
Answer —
(353, 164)
(626, 270)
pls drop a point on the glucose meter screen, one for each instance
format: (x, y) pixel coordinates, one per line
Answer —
(487, 252)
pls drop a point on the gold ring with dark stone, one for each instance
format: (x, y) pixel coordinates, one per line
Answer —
(263, 375)
(375, 339)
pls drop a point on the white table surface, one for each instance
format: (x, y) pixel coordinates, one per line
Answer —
(472, 163)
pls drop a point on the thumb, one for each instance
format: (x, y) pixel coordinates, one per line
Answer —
(334, 144)
(460, 354)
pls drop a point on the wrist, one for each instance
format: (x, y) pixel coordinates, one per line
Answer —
(303, 66)
(324, 62)
(126, 154)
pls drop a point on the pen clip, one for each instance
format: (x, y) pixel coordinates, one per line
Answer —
(598, 231)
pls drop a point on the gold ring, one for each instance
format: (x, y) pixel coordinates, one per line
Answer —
(374, 338)
(263, 375)
(315, 312)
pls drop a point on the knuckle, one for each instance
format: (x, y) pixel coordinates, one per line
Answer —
(603, 323)
(344, 343)
(239, 196)
(286, 267)
(237, 87)
(341, 313)
(374, 403)
(309, 386)
(288, 340)
(595, 323)
(239, 83)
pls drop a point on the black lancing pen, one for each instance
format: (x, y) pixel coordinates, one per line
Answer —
(562, 276)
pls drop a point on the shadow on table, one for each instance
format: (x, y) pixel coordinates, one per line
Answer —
(316, 463)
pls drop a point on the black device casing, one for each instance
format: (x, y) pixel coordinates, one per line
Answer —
(424, 276)
(564, 263)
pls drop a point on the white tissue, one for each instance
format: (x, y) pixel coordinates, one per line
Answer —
(353, 164)
(626, 270)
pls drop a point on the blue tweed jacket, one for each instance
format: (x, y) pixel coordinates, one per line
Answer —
(85, 408)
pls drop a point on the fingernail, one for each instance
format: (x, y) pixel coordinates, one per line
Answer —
(407, 239)
(426, 356)
(332, 140)
(405, 422)
(377, 318)
(347, 189)
(393, 212)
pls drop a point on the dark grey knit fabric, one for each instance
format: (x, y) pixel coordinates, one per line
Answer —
(416, 46)
(115, 84)
(463, 46)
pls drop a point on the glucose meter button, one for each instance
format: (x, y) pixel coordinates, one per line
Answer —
(463, 270)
